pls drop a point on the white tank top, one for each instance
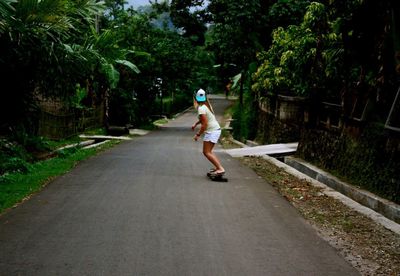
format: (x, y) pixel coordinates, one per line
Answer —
(212, 123)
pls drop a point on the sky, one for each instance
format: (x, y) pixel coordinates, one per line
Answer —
(138, 3)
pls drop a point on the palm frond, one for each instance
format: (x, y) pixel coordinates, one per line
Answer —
(7, 12)
(236, 80)
(129, 64)
(6, 8)
(111, 73)
(85, 10)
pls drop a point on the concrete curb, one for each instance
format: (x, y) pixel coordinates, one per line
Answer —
(80, 144)
(240, 144)
(375, 216)
(182, 112)
(331, 192)
(370, 200)
(97, 145)
(138, 132)
(105, 137)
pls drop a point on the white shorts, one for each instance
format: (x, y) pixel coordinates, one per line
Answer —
(212, 136)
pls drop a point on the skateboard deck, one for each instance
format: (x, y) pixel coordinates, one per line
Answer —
(218, 177)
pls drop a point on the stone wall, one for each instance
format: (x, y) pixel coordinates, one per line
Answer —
(362, 153)
(369, 158)
(280, 119)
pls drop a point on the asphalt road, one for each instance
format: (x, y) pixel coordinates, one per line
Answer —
(146, 207)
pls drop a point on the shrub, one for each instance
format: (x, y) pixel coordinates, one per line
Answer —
(13, 158)
(245, 119)
(295, 63)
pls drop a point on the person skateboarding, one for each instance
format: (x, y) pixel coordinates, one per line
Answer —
(211, 130)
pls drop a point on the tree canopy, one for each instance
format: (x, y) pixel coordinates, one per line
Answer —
(331, 48)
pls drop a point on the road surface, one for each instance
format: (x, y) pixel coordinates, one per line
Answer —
(145, 207)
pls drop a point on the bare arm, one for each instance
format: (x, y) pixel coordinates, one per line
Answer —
(195, 124)
(203, 122)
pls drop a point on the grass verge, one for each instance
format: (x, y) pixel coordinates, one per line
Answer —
(17, 186)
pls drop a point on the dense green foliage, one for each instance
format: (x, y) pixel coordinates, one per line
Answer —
(171, 67)
(338, 51)
(245, 119)
(47, 49)
(139, 65)
(89, 54)
(190, 15)
(238, 31)
(342, 52)
(295, 62)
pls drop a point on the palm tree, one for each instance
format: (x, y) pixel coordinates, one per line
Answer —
(33, 55)
(6, 11)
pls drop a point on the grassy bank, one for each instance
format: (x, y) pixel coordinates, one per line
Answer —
(16, 186)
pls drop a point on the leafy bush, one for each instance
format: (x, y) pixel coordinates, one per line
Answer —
(295, 63)
(287, 12)
(12, 158)
(122, 107)
(20, 150)
(176, 105)
(245, 119)
(24, 138)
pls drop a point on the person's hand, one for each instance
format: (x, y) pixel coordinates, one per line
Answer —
(194, 126)
(196, 137)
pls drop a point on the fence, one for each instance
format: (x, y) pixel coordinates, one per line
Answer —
(60, 123)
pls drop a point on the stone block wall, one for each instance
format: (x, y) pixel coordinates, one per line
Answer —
(370, 159)
(362, 153)
(280, 119)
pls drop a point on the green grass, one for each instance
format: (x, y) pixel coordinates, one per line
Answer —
(160, 122)
(96, 131)
(14, 187)
(55, 144)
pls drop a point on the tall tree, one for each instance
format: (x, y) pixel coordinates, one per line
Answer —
(115, 7)
(237, 32)
(32, 49)
(190, 15)
(171, 65)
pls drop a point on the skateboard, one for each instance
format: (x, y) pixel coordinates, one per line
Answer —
(217, 177)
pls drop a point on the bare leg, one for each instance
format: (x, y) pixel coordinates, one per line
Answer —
(207, 151)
